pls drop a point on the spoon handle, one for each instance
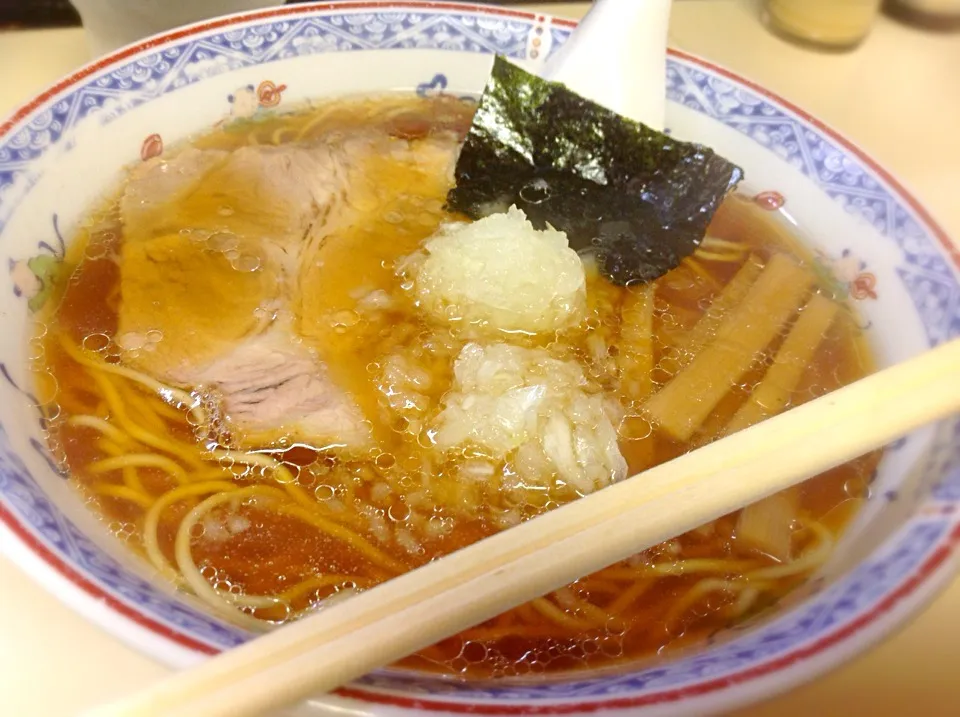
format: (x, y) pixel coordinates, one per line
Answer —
(617, 57)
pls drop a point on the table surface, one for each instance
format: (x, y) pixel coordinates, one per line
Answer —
(897, 96)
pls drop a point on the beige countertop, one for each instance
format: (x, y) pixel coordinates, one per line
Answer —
(897, 96)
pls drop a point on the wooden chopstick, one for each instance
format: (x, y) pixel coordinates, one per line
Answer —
(410, 612)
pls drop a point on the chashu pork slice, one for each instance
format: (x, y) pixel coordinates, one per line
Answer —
(189, 316)
(404, 184)
(185, 303)
(156, 187)
(213, 242)
(270, 193)
(271, 386)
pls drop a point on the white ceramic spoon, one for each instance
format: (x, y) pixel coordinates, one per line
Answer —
(618, 58)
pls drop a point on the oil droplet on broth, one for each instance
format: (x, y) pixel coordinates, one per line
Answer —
(246, 263)
(223, 242)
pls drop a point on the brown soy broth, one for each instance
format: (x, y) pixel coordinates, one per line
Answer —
(393, 488)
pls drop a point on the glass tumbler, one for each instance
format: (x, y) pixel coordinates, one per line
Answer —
(825, 24)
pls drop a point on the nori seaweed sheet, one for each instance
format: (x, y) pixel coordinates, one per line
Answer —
(638, 198)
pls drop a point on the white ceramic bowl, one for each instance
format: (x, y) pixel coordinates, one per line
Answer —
(66, 148)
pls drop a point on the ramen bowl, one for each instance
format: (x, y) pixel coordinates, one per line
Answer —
(68, 147)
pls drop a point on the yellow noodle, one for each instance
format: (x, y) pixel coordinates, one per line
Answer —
(322, 581)
(281, 473)
(165, 410)
(151, 521)
(325, 516)
(165, 392)
(124, 492)
(704, 588)
(599, 585)
(597, 615)
(558, 616)
(690, 566)
(697, 565)
(810, 559)
(101, 425)
(224, 603)
(742, 605)
(139, 411)
(179, 449)
(210, 473)
(620, 574)
(355, 541)
(302, 498)
(111, 448)
(132, 479)
(256, 602)
(627, 597)
(140, 460)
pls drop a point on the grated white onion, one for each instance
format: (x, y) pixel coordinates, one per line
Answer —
(508, 399)
(502, 274)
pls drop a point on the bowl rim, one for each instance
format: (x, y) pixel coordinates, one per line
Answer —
(926, 580)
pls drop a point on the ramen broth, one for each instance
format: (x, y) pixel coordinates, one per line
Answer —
(278, 525)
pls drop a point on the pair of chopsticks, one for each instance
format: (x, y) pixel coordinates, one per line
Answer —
(383, 624)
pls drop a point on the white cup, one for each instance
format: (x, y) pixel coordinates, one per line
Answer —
(110, 24)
